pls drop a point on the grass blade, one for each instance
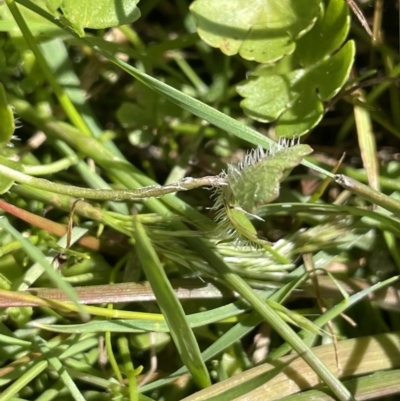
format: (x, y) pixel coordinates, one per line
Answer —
(57, 365)
(171, 308)
(40, 259)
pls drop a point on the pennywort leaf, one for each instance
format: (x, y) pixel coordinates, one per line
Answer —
(327, 35)
(258, 30)
(296, 98)
(96, 14)
(292, 92)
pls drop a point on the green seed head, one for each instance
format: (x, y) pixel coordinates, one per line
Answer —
(253, 182)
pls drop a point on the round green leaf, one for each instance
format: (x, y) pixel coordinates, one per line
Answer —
(147, 108)
(99, 14)
(41, 28)
(295, 98)
(327, 35)
(260, 30)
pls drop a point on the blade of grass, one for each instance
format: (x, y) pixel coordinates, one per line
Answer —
(329, 315)
(22, 381)
(171, 308)
(367, 143)
(41, 260)
(273, 318)
(57, 365)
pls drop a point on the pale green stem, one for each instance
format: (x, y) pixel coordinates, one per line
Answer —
(129, 368)
(110, 194)
(368, 193)
(51, 168)
(200, 86)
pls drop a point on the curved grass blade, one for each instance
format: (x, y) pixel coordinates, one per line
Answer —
(171, 308)
(331, 314)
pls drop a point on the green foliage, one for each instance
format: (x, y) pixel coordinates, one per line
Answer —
(255, 181)
(327, 35)
(112, 114)
(42, 28)
(7, 183)
(293, 96)
(264, 31)
(96, 14)
(296, 98)
(7, 124)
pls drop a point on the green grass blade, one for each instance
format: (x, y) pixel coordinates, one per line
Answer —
(22, 381)
(39, 258)
(276, 322)
(129, 369)
(331, 314)
(238, 331)
(57, 365)
(171, 308)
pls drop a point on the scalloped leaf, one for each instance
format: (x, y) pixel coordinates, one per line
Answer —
(327, 35)
(295, 98)
(260, 30)
(98, 14)
(147, 108)
(41, 28)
